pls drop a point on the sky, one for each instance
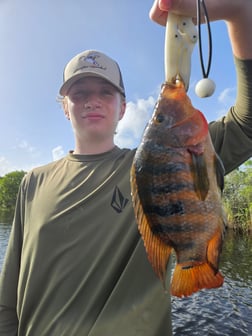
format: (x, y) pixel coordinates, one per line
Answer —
(38, 38)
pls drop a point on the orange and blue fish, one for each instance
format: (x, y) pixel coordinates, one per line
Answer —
(176, 182)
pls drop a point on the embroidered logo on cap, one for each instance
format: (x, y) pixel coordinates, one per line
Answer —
(91, 59)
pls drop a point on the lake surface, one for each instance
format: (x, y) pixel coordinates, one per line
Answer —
(4, 237)
(224, 311)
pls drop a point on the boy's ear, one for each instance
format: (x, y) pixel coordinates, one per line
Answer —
(123, 109)
(67, 115)
(65, 108)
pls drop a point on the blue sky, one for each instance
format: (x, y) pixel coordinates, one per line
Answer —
(39, 37)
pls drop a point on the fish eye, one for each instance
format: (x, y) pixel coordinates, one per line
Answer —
(160, 118)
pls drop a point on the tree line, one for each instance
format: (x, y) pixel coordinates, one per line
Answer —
(237, 197)
(9, 186)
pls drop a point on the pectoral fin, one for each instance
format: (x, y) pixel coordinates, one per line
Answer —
(220, 172)
(200, 176)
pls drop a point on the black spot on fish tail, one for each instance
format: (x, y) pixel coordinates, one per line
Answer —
(167, 210)
(187, 267)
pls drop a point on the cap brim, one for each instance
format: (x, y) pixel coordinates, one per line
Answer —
(67, 85)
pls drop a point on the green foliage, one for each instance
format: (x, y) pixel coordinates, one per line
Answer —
(238, 197)
(9, 185)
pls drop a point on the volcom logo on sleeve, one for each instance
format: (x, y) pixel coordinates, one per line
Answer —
(118, 201)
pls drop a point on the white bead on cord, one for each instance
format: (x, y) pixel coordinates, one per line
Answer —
(205, 88)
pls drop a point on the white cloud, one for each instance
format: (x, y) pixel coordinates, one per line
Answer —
(26, 146)
(130, 128)
(23, 147)
(5, 166)
(57, 153)
(227, 96)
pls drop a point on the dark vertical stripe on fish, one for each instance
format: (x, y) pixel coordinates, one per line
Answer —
(166, 210)
(171, 187)
(157, 228)
(161, 168)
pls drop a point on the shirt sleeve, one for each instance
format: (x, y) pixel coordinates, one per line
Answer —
(9, 276)
(232, 135)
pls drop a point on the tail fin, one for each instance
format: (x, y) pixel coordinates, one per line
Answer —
(190, 279)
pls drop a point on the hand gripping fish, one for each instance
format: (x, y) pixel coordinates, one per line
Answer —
(176, 182)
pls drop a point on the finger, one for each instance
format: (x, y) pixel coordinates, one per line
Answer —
(165, 5)
(157, 14)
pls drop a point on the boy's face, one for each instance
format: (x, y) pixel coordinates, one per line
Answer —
(94, 107)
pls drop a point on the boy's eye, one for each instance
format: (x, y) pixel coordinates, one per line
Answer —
(79, 95)
(107, 92)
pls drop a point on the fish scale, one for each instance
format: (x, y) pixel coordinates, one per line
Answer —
(176, 193)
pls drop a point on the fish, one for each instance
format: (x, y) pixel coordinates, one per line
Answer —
(177, 181)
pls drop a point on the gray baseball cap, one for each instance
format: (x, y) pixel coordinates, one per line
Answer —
(95, 64)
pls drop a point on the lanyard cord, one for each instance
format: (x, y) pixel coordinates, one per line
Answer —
(199, 4)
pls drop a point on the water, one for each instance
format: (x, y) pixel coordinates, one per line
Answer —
(224, 311)
(4, 237)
